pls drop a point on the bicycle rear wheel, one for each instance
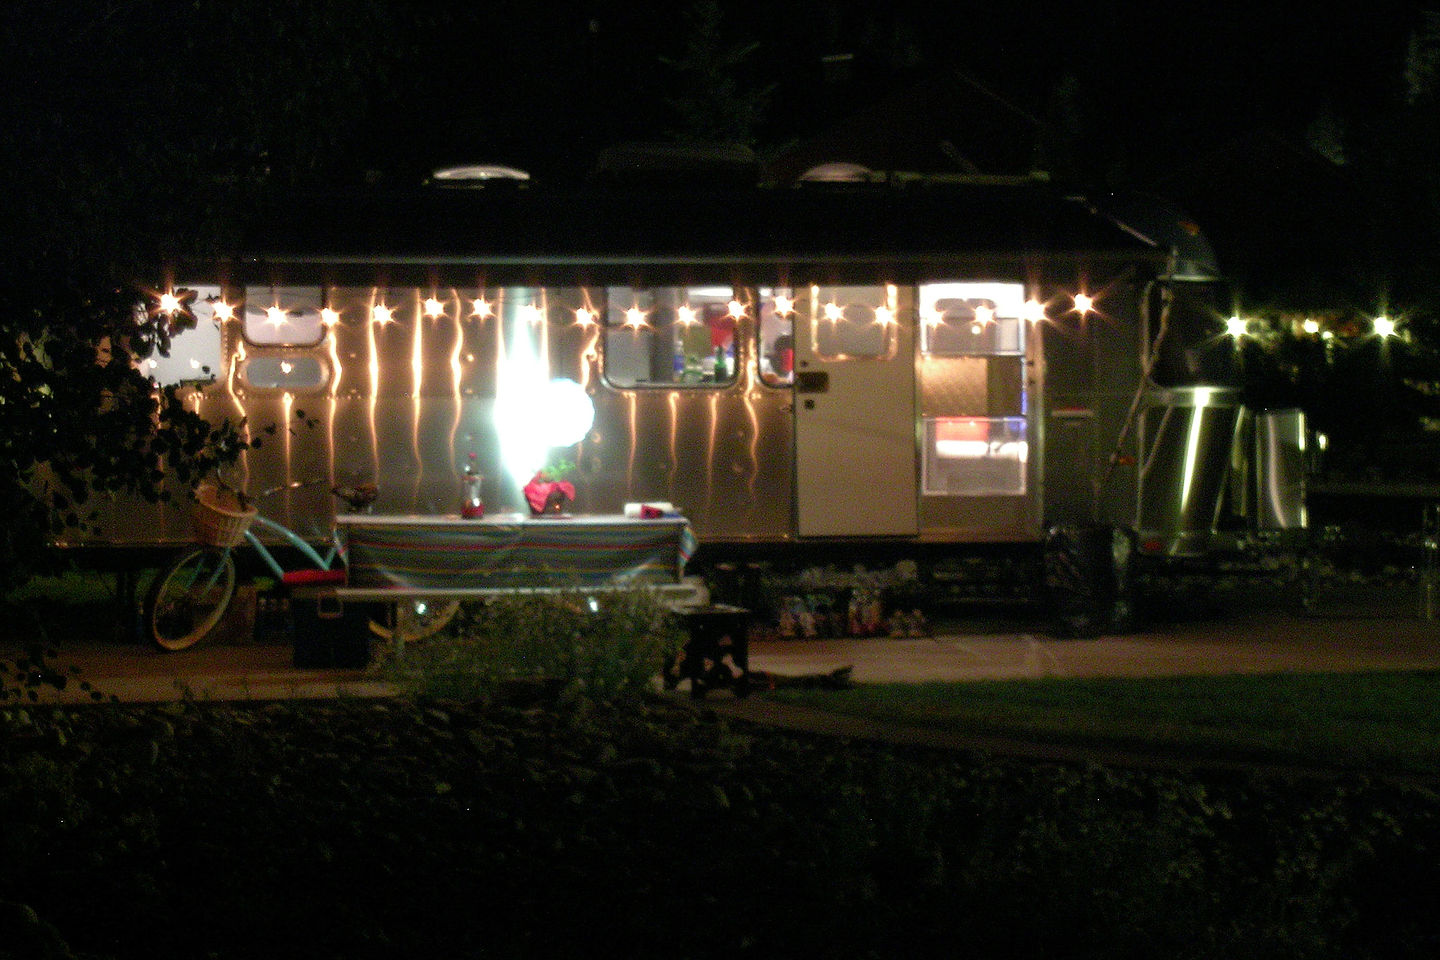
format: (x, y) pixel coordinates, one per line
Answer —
(416, 619)
(189, 597)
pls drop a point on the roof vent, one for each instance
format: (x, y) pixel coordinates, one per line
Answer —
(477, 175)
(838, 172)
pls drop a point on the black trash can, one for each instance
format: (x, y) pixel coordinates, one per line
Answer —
(328, 632)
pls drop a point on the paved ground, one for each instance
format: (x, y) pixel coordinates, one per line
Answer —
(1255, 641)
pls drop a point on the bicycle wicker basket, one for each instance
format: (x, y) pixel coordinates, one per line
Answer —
(219, 519)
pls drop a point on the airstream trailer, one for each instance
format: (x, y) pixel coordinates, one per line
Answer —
(828, 374)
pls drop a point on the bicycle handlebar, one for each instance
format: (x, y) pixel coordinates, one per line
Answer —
(359, 496)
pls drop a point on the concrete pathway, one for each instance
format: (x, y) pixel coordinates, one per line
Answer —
(1253, 642)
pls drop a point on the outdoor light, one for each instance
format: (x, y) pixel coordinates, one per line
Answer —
(1236, 327)
(329, 316)
(381, 314)
(635, 317)
(480, 307)
(1084, 303)
(1310, 326)
(1033, 310)
(685, 314)
(583, 316)
(737, 309)
(223, 311)
(434, 308)
(834, 312)
(984, 315)
(784, 304)
(531, 313)
(275, 316)
(1384, 327)
(884, 315)
(169, 303)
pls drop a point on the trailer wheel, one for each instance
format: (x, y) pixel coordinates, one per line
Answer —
(1087, 579)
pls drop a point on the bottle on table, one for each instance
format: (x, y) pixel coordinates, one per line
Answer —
(472, 507)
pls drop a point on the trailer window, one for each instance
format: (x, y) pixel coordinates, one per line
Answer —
(284, 316)
(853, 322)
(777, 336)
(972, 319)
(975, 456)
(196, 340)
(671, 336)
(291, 374)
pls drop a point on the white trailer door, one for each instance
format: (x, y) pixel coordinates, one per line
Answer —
(854, 413)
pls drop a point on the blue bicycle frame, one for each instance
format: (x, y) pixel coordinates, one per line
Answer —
(325, 562)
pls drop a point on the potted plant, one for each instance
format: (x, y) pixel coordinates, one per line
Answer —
(548, 493)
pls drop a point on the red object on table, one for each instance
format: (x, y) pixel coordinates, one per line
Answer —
(546, 495)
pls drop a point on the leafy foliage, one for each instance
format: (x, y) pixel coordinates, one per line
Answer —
(524, 827)
(119, 162)
(25, 672)
(611, 650)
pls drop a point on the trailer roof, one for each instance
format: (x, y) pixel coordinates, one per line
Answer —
(617, 229)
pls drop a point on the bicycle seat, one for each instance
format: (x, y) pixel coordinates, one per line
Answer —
(312, 578)
(359, 496)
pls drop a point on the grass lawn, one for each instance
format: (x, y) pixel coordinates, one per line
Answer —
(1378, 722)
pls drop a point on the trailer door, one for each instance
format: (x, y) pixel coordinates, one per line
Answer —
(854, 414)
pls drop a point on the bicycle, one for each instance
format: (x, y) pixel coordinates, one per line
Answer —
(190, 596)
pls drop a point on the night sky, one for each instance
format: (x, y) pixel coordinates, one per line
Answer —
(1154, 80)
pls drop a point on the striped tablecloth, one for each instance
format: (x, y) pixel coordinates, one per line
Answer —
(443, 553)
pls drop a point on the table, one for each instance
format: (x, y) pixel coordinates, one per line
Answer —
(412, 555)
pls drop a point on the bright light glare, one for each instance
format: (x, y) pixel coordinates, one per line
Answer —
(984, 314)
(685, 314)
(737, 309)
(532, 314)
(382, 314)
(480, 307)
(1236, 326)
(1384, 327)
(635, 317)
(1311, 326)
(434, 308)
(834, 312)
(275, 316)
(223, 311)
(534, 414)
(169, 303)
(1084, 303)
(583, 316)
(329, 316)
(1033, 310)
(784, 304)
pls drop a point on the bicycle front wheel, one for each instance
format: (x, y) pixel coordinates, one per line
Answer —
(189, 597)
